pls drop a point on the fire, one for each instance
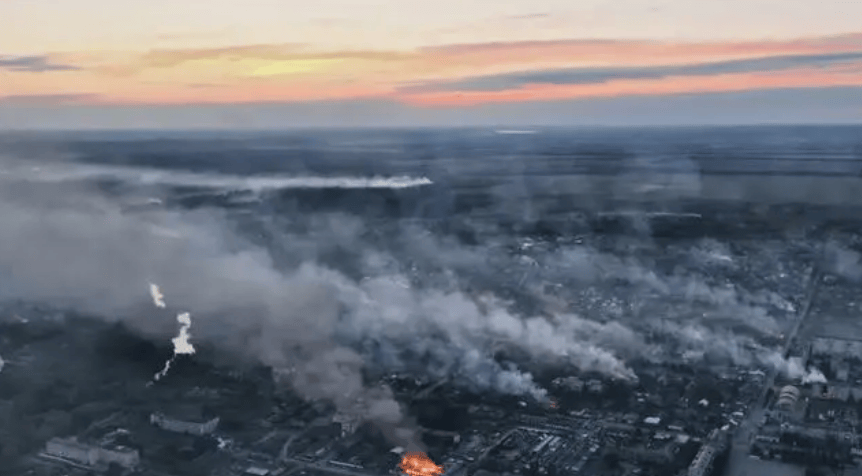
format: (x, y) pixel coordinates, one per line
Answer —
(553, 403)
(419, 464)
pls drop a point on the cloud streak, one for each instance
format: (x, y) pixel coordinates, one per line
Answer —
(47, 99)
(500, 82)
(32, 64)
(672, 85)
(633, 53)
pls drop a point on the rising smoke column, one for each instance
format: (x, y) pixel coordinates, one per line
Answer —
(182, 346)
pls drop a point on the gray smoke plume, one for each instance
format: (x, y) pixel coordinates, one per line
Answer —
(286, 304)
(843, 261)
(66, 245)
(697, 342)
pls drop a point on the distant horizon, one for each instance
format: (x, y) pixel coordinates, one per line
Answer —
(527, 129)
(825, 106)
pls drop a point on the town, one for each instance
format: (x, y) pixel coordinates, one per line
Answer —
(74, 398)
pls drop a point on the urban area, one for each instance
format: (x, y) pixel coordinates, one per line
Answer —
(75, 397)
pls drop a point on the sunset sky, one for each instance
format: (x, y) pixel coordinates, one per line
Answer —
(272, 64)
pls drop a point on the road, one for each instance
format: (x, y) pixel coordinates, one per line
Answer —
(323, 467)
(748, 428)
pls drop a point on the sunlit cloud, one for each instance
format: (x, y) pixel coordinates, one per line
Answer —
(280, 68)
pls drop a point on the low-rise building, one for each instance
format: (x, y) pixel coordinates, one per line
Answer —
(192, 424)
(72, 450)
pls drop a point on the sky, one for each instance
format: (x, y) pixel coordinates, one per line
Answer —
(96, 64)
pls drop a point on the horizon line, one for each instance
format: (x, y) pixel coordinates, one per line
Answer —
(483, 127)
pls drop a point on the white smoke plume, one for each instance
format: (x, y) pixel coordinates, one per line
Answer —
(181, 342)
(182, 345)
(55, 173)
(813, 375)
(794, 368)
(791, 367)
(385, 308)
(698, 342)
(158, 297)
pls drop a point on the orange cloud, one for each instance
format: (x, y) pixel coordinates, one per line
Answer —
(295, 72)
(799, 78)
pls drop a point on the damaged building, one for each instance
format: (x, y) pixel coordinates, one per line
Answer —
(190, 420)
(94, 456)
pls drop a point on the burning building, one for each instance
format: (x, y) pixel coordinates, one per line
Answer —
(419, 464)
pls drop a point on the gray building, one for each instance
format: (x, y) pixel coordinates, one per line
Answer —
(192, 424)
(72, 450)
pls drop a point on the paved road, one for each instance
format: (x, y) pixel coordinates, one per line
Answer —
(748, 428)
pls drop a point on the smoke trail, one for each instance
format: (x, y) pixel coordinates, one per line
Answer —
(181, 343)
(158, 297)
(147, 176)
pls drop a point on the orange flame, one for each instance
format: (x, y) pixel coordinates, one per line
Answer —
(552, 403)
(419, 464)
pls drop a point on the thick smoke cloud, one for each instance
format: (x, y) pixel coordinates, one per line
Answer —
(320, 325)
(65, 244)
